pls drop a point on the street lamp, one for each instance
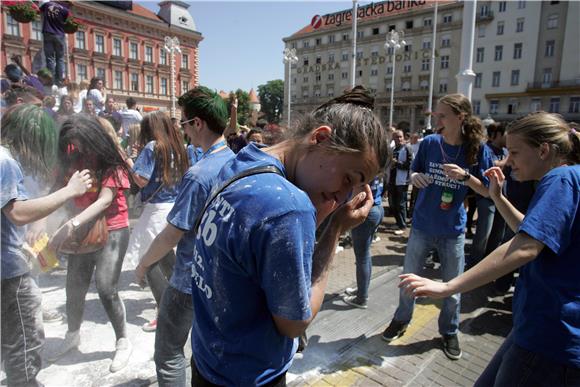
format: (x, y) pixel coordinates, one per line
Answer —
(172, 45)
(289, 58)
(393, 43)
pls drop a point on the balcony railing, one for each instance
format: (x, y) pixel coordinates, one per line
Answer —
(488, 16)
(554, 84)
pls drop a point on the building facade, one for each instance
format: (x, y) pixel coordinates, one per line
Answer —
(324, 50)
(125, 47)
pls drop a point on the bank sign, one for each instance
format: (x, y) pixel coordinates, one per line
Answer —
(373, 9)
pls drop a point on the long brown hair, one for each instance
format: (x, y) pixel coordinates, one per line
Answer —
(472, 133)
(170, 154)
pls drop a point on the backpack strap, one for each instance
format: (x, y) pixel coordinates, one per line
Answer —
(246, 173)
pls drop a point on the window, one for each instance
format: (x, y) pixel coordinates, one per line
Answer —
(409, 24)
(390, 51)
(552, 21)
(484, 10)
(80, 40)
(481, 32)
(305, 80)
(359, 55)
(445, 42)
(554, 105)
(447, 18)
(117, 47)
(330, 38)
(427, 22)
(82, 72)
(493, 106)
(184, 61)
(479, 56)
(405, 85)
(134, 82)
(513, 106)
(444, 61)
(184, 86)
(12, 26)
(500, 26)
(149, 54)
(536, 105)
(408, 47)
(477, 82)
(520, 25)
(100, 44)
(392, 27)
(330, 92)
(375, 31)
(515, 79)
(547, 76)
(549, 51)
(425, 64)
(390, 70)
(318, 41)
(318, 59)
(305, 93)
(133, 51)
(426, 44)
(163, 86)
(521, 4)
(502, 6)
(36, 30)
(330, 58)
(149, 84)
(424, 84)
(476, 107)
(360, 34)
(498, 53)
(359, 73)
(305, 61)
(495, 80)
(574, 105)
(318, 77)
(344, 56)
(374, 72)
(345, 37)
(443, 87)
(118, 80)
(100, 72)
(306, 44)
(374, 53)
(407, 68)
(518, 50)
(162, 57)
(344, 75)
(317, 92)
(331, 77)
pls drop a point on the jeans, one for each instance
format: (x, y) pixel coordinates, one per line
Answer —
(22, 330)
(197, 379)
(54, 54)
(485, 215)
(362, 237)
(450, 250)
(514, 366)
(159, 274)
(106, 264)
(173, 326)
(398, 204)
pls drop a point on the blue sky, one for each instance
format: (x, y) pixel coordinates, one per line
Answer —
(242, 46)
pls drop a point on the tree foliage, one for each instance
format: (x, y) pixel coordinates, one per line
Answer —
(272, 99)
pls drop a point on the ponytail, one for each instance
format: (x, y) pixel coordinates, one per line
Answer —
(574, 155)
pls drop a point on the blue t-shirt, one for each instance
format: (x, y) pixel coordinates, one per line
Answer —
(253, 259)
(54, 16)
(377, 190)
(429, 216)
(194, 190)
(146, 167)
(194, 154)
(546, 302)
(14, 262)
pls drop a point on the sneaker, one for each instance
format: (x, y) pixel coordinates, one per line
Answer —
(122, 354)
(451, 347)
(376, 239)
(338, 249)
(350, 291)
(71, 341)
(51, 316)
(150, 326)
(355, 301)
(395, 330)
(399, 232)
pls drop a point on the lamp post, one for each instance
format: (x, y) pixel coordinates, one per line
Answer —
(354, 33)
(393, 43)
(289, 58)
(172, 45)
(432, 72)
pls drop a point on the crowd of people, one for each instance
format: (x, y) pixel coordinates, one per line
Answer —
(235, 237)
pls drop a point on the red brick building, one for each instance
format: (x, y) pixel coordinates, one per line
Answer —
(125, 47)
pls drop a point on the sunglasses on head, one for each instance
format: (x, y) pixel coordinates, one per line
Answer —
(182, 122)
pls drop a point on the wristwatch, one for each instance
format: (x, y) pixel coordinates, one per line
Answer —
(465, 177)
(75, 223)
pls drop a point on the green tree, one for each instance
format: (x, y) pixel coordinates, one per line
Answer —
(243, 105)
(272, 99)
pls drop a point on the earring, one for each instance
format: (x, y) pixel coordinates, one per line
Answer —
(463, 128)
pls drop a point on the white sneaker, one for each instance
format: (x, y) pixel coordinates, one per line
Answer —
(399, 232)
(122, 354)
(350, 291)
(338, 249)
(71, 341)
(376, 239)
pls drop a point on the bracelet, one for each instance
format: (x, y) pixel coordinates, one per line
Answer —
(466, 177)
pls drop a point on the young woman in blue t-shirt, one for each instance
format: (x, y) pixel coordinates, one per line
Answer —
(544, 345)
(446, 164)
(157, 171)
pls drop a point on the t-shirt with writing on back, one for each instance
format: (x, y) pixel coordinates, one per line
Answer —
(14, 262)
(194, 190)
(429, 216)
(54, 16)
(252, 260)
(546, 302)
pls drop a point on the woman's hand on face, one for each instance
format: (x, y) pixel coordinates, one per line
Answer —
(453, 171)
(60, 235)
(416, 286)
(496, 181)
(420, 180)
(80, 182)
(356, 210)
